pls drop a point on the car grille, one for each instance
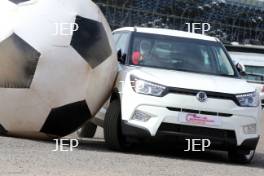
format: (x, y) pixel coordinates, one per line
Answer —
(200, 112)
(216, 95)
(226, 136)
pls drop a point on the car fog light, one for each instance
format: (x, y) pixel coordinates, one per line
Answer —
(141, 116)
(250, 129)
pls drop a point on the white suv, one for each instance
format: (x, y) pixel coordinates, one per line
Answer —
(183, 84)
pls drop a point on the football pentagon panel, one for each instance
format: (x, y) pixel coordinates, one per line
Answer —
(91, 41)
(18, 62)
(18, 1)
(66, 119)
(51, 84)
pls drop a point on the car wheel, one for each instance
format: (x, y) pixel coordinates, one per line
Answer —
(241, 156)
(87, 130)
(112, 127)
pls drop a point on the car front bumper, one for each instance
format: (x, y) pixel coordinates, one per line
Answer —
(233, 119)
(220, 139)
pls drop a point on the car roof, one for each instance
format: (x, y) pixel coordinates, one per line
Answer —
(168, 32)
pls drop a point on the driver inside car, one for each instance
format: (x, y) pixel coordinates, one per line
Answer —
(145, 55)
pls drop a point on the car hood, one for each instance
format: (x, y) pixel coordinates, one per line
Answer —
(193, 81)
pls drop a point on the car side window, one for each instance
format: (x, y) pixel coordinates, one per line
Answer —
(122, 42)
(116, 37)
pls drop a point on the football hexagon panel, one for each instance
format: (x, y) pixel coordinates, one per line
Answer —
(91, 41)
(18, 62)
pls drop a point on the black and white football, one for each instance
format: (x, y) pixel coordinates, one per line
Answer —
(57, 65)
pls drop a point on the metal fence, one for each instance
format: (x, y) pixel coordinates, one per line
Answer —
(231, 22)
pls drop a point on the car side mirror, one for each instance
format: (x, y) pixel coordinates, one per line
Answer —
(241, 69)
(121, 57)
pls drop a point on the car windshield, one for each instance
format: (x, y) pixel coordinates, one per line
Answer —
(181, 54)
(255, 74)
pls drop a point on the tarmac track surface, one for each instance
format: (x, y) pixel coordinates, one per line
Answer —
(92, 158)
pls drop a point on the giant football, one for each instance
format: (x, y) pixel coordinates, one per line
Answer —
(57, 66)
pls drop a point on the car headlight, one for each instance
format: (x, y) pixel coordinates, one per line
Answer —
(248, 99)
(147, 88)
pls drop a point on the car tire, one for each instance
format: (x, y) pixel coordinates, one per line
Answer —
(112, 127)
(241, 156)
(87, 130)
